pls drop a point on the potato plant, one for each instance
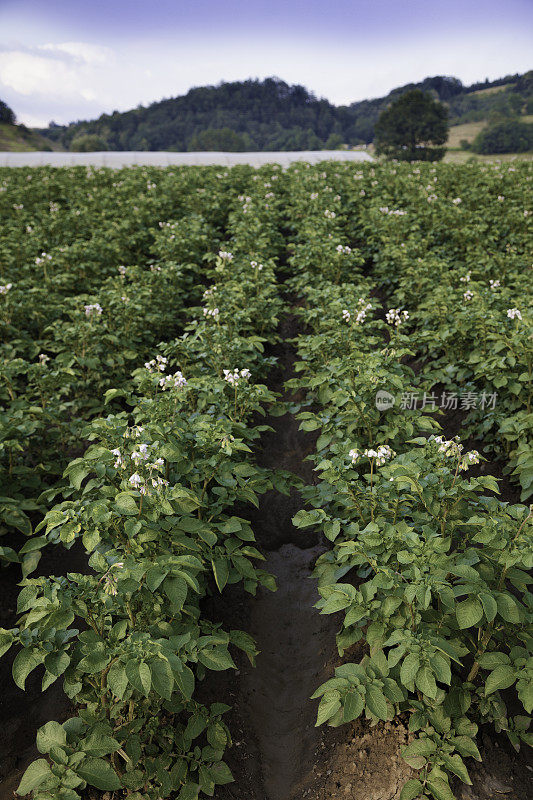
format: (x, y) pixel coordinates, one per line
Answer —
(430, 570)
(138, 310)
(157, 500)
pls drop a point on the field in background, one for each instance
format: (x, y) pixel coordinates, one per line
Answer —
(462, 156)
(492, 89)
(468, 131)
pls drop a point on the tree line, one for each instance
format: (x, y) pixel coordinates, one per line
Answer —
(273, 115)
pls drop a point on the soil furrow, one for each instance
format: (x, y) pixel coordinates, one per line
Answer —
(295, 642)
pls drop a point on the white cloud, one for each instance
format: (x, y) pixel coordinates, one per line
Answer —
(65, 70)
(69, 79)
(81, 51)
(27, 73)
(32, 121)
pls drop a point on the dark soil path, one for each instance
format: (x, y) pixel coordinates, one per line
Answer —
(295, 641)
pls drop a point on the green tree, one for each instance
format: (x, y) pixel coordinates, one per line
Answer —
(412, 128)
(511, 136)
(88, 143)
(7, 115)
(217, 139)
(334, 142)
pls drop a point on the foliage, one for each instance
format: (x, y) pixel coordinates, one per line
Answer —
(272, 115)
(428, 569)
(218, 139)
(7, 115)
(137, 313)
(158, 499)
(88, 143)
(412, 128)
(511, 136)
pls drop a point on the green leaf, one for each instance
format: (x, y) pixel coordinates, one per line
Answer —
(189, 792)
(196, 724)
(6, 640)
(392, 691)
(525, 693)
(411, 790)
(176, 591)
(353, 705)
(507, 608)
(185, 682)
(441, 668)
(50, 735)
(456, 765)
(35, 543)
(139, 676)
(220, 571)
(24, 663)
(155, 577)
(35, 775)
(468, 613)
(162, 678)
(500, 678)
(409, 669)
(493, 659)
(440, 789)
(76, 475)
(328, 707)
(117, 680)
(490, 606)
(216, 659)
(100, 774)
(425, 681)
(29, 562)
(221, 773)
(125, 504)
(100, 744)
(94, 662)
(56, 663)
(216, 736)
(466, 747)
(376, 702)
(418, 751)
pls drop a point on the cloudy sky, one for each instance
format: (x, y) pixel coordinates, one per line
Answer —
(74, 59)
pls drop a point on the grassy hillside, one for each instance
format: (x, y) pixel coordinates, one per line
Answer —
(462, 156)
(18, 139)
(467, 131)
(491, 89)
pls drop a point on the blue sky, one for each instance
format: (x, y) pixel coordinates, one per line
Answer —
(69, 59)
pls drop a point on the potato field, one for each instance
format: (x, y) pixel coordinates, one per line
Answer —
(266, 466)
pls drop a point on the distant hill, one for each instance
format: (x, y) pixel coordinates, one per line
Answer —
(490, 101)
(19, 139)
(244, 115)
(272, 115)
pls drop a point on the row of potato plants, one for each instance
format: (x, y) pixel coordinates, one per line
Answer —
(158, 501)
(454, 247)
(96, 267)
(429, 569)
